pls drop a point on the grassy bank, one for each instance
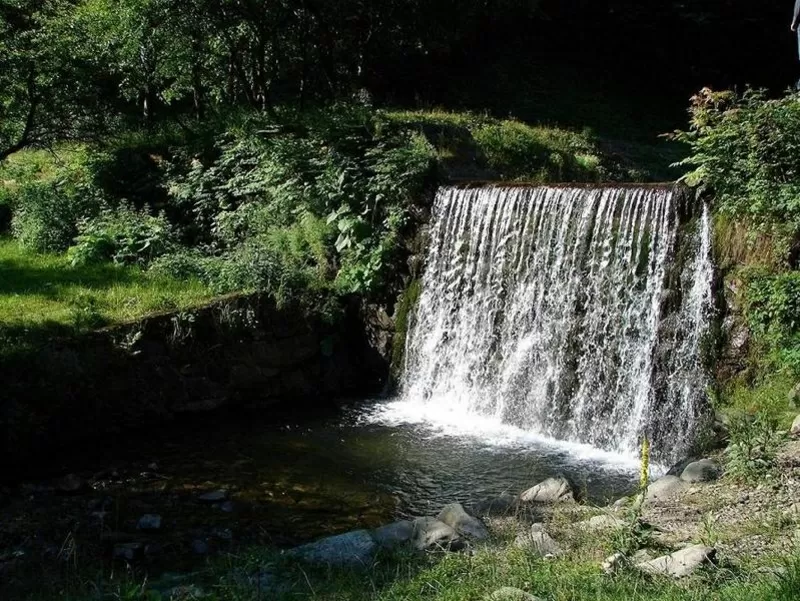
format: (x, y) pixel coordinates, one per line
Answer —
(474, 576)
(43, 293)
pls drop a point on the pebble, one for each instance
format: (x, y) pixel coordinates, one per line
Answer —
(217, 496)
(149, 522)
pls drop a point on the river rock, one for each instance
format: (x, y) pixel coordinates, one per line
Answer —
(150, 522)
(351, 549)
(794, 395)
(601, 522)
(495, 506)
(704, 470)
(681, 563)
(128, 551)
(508, 593)
(430, 533)
(394, 535)
(665, 488)
(459, 520)
(552, 490)
(539, 542)
(796, 426)
(613, 563)
(71, 484)
(217, 496)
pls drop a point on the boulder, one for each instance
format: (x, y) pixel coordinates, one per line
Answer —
(394, 535)
(665, 488)
(149, 522)
(681, 563)
(351, 549)
(796, 426)
(552, 490)
(459, 520)
(704, 470)
(508, 593)
(430, 533)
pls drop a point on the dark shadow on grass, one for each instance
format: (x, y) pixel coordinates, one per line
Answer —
(24, 278)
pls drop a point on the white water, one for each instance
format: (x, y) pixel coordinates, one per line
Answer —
(556, 312)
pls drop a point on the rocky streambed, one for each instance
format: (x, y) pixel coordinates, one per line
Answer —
(173, 497)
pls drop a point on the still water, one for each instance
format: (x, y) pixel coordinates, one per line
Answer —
(302, 474)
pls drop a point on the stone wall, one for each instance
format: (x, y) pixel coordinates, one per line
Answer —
(240, 351)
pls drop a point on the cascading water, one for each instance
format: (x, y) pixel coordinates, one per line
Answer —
(565, 311)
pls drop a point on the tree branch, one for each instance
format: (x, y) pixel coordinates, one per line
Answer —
(25, 138)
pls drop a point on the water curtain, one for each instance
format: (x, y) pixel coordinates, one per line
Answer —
(576, 312)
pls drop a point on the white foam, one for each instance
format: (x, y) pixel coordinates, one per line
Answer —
(448, 419)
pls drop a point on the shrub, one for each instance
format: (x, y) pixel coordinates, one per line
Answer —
(772, 307)
(318, 197)
(122, 235)
(754, 444)
(49, 197)
(746, 148)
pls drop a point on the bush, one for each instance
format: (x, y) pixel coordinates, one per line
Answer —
(772, 307)
(318, 197)
(124, 236)
(746, 148)
(49, 197)
(754, 444)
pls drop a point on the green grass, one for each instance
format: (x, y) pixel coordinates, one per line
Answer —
(44, 293)
(471, 145)
(452, 577)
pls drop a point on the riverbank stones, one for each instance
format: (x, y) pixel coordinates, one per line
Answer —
(351, 549)
(459, 520)
(681, 563)
(150, 522)
(508, 593)
(550, 491)
(430, 533)
(539, 542)
(796, 426)
(394, 535)
(601, 522)
(210, 498)
(665, 488)
(705, 470)
(495, 506)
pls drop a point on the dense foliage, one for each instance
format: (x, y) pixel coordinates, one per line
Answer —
(745, 154)
(747, 149)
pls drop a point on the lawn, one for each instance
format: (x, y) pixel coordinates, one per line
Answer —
(44, 291)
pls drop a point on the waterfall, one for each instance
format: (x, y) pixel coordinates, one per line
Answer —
(567, 311)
